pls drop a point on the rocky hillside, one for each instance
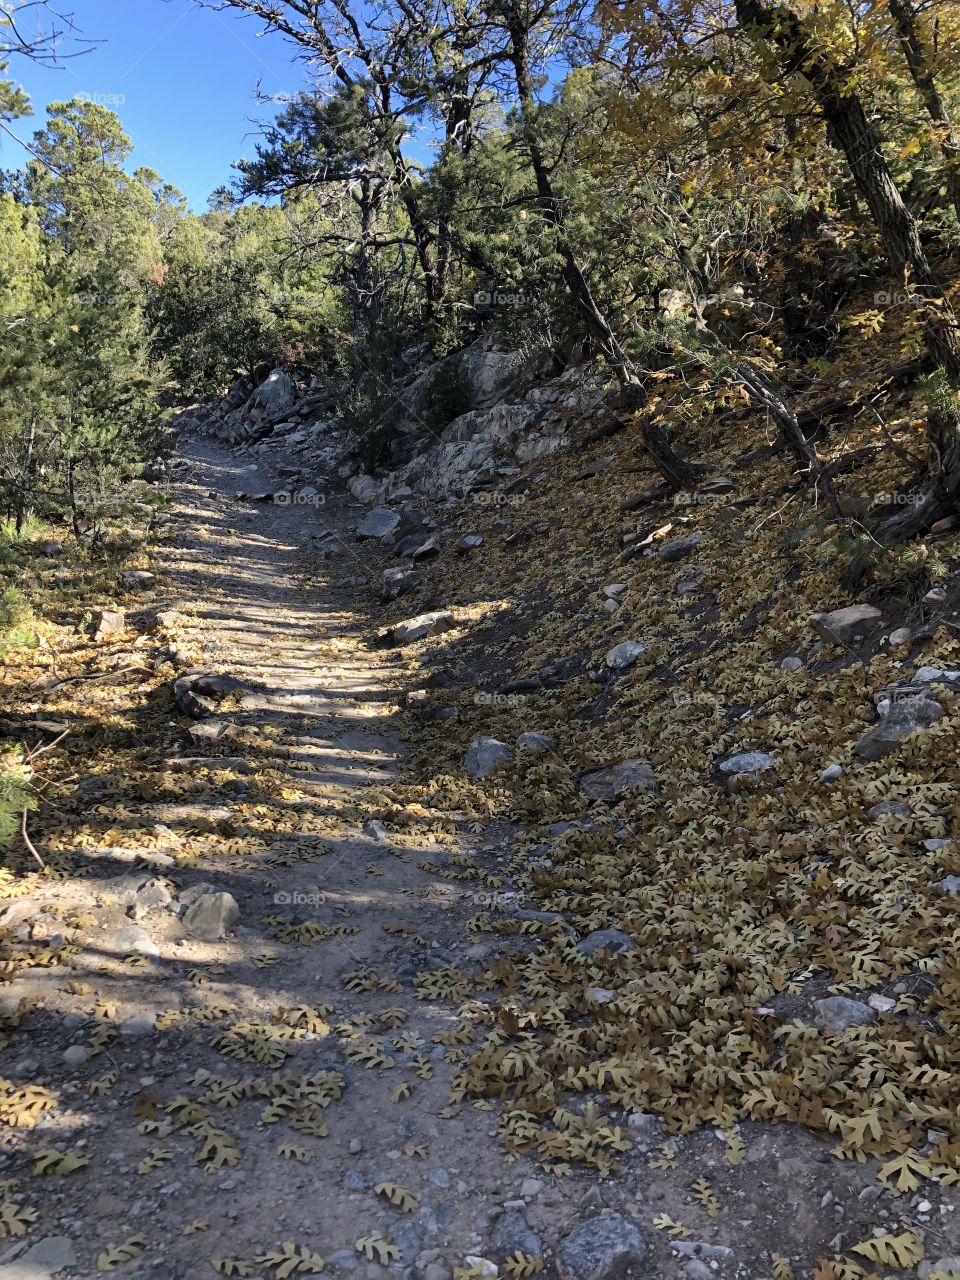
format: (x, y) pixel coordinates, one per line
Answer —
(644, 881)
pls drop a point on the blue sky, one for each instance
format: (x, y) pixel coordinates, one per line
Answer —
(182, 80)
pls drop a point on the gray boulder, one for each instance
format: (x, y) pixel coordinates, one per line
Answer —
(836, 1013)
(613, 783)
(605, 940)
(378, 523)
(512, 1232)
(425, 624)
(137, 579)
(212, 916)
(901, 717)
(748, 762)
(841, 625)
(893, 808)
(609, 1247)
(106, 623)
(398, 580)
(42, 1260)
(534, 743)
(131, 939)
(625, 654)
(275, 395)
(680, 548)
(483, 756)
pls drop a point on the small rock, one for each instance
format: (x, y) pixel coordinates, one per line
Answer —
(534, 743)
(950, 885)
(679, 548)
(212, 916)
(645, 1125)
(378, 523)
(936, 595)
(600, 995)
(376, 831)
(748, 762)
(791, 664)
(900, 718)
(483, 756)
(947, 1265)
(625, 654)
(608, 1247)
(137, 579)
(842, 624)
(610, 784)
(697, 1270)
(902, 635)
(419, 628)
(76, 1055)
(439, 1178)
(839, 1012)
(882, 1004)
(470, 542)
(892, 808)
(605, 940)
(398, 580)
(530, 1188)
(141, 1024)
(482, 1267)
(131, 939)
(46, 1257)
(355, 1146)
(831, 773)
(931, 675)
(105, 623)
(512, 1232)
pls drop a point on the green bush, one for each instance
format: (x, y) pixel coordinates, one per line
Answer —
(16, 618)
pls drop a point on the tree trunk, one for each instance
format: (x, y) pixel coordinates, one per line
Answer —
(918, 61)
(678, 473)
(846, 119)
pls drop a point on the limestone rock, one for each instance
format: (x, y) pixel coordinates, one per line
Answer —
(748, 762)
(212, 916)
(610, 784)
(105, 623)
(483, 756)
(378, 523)
(625, 654)
(900, 718)
(838, 1012)
(608, 1247)
(398, 580)
(418, 628)
(605, 940)
(842, 625)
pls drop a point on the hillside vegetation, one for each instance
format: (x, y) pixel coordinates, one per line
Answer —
(484, 633)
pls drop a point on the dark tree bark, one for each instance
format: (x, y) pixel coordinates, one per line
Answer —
(850, 129)
(918, 60)
(674, 469)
